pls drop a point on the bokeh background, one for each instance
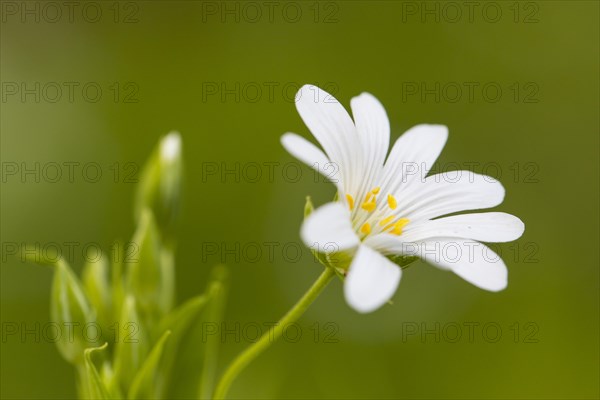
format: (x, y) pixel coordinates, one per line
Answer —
(224, 75)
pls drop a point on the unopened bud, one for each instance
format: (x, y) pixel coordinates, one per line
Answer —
(160, 185)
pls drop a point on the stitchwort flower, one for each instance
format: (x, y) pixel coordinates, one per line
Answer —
(388, 211)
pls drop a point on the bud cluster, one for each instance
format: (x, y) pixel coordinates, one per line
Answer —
(135, 297)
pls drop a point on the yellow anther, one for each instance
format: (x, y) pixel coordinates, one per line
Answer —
(376, 190)
(350, 201)
(366, 228)
(386, 220)
(401, 223)
(369, 206)
(392, 202)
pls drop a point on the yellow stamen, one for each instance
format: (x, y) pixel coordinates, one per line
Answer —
(366, 228)
(401, 223)
(386, 220)
(369, 206)
(350, 201)
(392, 202)
(376, 190)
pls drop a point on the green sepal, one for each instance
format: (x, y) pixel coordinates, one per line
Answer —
(132, 343)
(402, 261)
(111, 381)
(146, 274)
(339, 261)
(70, 309)
(308, 207)
(98, 289)
(96, 389)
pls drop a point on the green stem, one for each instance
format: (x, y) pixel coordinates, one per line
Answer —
(273, 334)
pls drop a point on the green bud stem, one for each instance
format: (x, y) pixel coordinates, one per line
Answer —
(273, 334)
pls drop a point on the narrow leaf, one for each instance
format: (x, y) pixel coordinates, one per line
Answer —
(144, 384)
(195, 363)
(179, 322)
(217, 292)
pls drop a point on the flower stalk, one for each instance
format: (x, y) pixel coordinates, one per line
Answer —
(248, 355)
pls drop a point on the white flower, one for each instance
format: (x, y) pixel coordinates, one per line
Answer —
(388, 208)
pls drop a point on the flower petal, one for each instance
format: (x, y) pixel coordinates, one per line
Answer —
(329, 230)
(333, 128)
(473, 261)
(311, 155)
(372, 280)
(448, 193)
(493, 227)
(373, 129)
(413, 156)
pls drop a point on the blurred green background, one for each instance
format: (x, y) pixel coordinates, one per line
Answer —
(224, 76)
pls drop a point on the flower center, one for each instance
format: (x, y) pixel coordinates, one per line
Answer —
(371, 217)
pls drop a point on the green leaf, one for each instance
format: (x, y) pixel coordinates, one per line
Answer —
(95, 386)
(132, 343)
(194, 367)
(217, 292)
(144, 384)
(178, 322)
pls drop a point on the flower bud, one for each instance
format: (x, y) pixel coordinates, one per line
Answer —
(70, 308)
(96, 283)
(160, 184)
(150, 273)
(308, 207)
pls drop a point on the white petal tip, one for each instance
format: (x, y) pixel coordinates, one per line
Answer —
(517, 226)
(493, 280)
(285, 139)
(360, 308)
(171, 146)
